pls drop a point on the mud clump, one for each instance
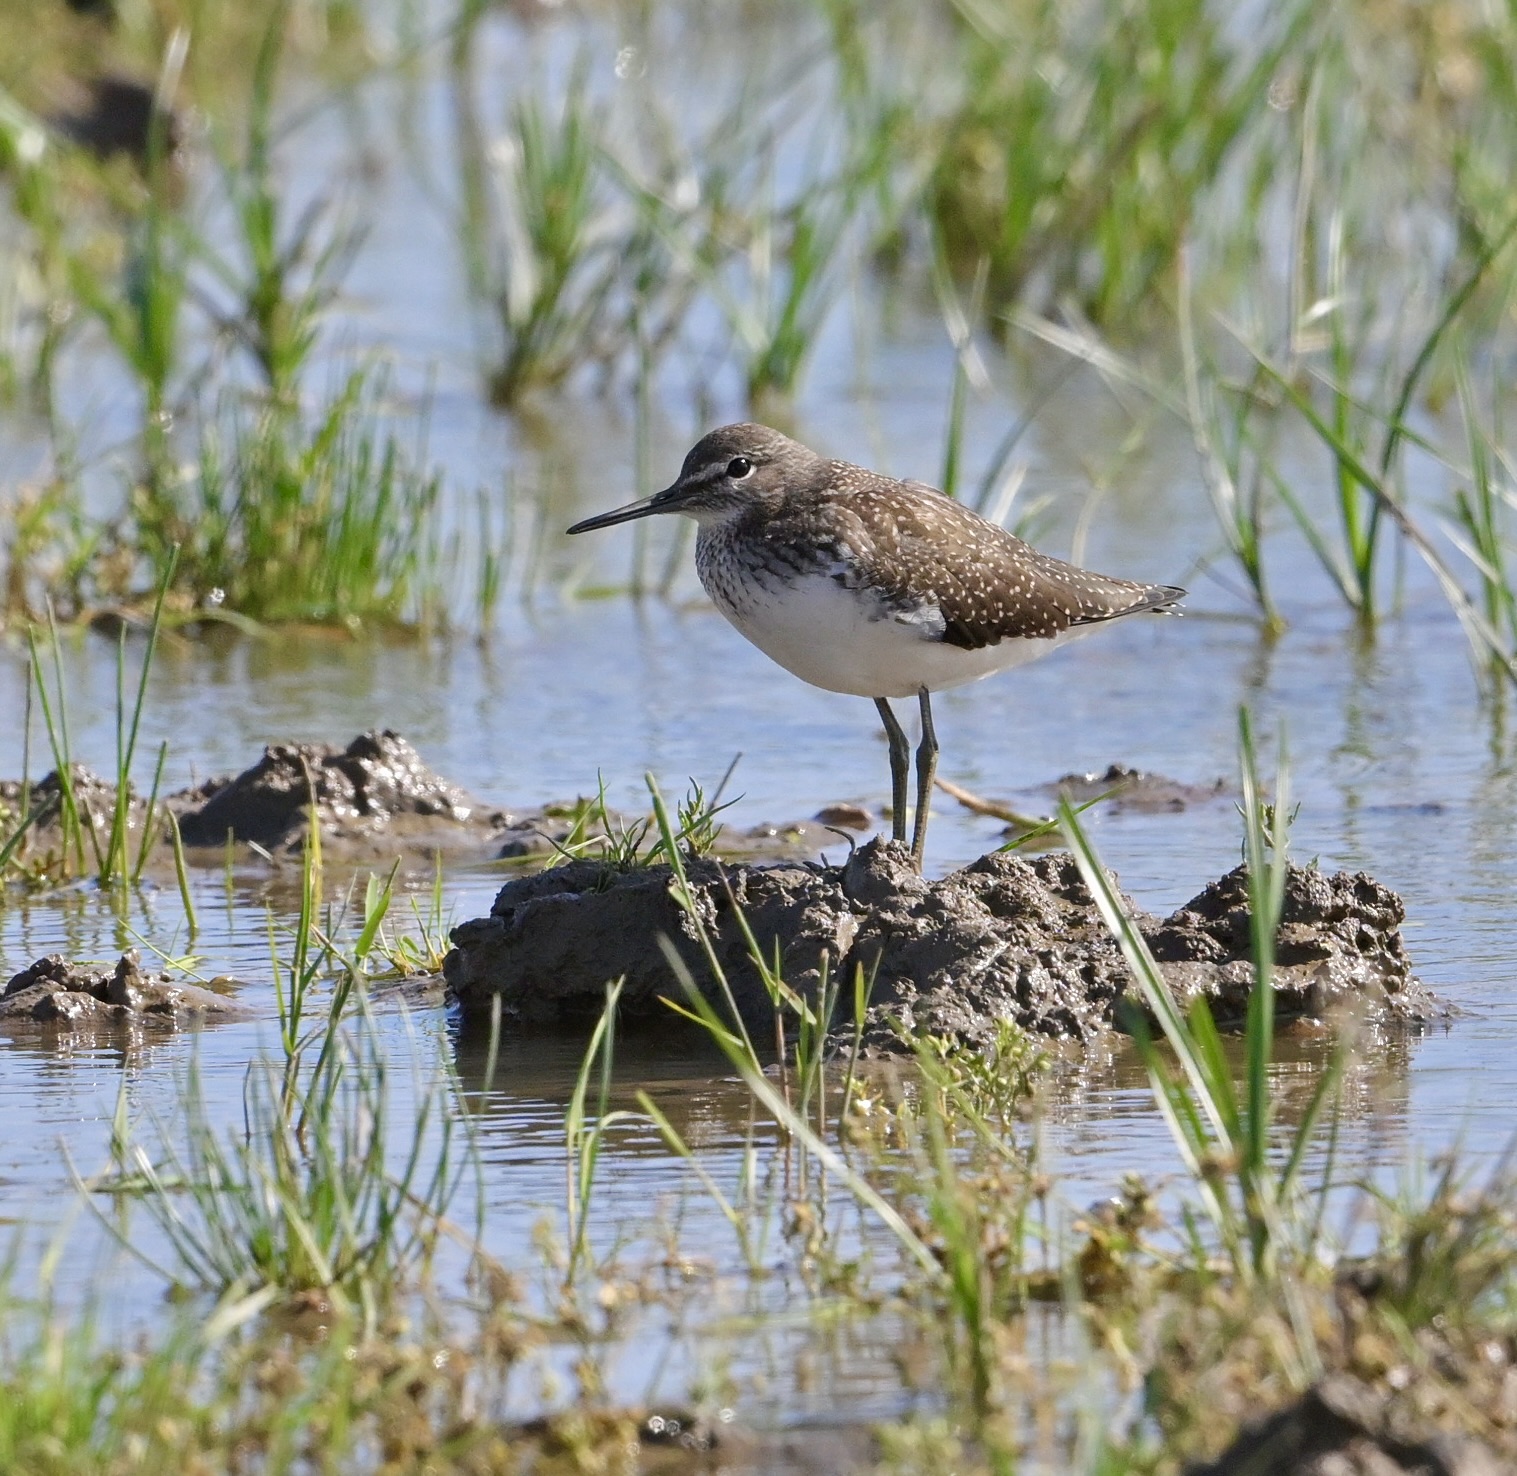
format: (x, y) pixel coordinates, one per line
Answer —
(54, 991)
(1125, 788)
(1342, 1427)
(555, 938)
(94, 801)
(373, 799)
(1340, 937)
(1002, 939)
(372, 796)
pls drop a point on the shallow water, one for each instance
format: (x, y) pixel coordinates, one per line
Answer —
(1399, 768)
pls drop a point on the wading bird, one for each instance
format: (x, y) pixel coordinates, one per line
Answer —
(860, 583)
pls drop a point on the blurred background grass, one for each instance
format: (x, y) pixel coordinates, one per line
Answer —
(1286, 226)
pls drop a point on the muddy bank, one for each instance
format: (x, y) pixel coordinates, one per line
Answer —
(1004, 938)
(1120, 787)
(375, 799)
(53, 991)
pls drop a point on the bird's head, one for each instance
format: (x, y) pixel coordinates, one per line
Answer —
(728, 473)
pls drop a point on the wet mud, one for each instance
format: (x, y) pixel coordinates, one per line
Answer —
(1343, 1427)
(1120, 787)
(1005, 938)
(70, 996)
(373, 797)
(375, 800)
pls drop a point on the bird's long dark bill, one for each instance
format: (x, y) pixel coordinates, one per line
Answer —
(658, 503)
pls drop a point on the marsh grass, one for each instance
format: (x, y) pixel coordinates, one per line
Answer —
(1483, 505)
(321, 1189)
(540, 250)
(331, 520)
(792, 260)
(1084, 138)
(597, 831)
(289, 275)
(114, 861)
(1233, 466)
(1224, 1133)
(585, 1129)
(381, 950)
(1370, 502)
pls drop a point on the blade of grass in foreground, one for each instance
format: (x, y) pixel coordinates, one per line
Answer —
(1224, 1139)
(739, 1050)
(582, 1138)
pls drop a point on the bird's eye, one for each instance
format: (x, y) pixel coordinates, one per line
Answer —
(739, 467)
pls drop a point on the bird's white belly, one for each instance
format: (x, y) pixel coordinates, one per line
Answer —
(846, 641)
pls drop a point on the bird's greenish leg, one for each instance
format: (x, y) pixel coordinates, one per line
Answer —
(900, 760)
(927, 770)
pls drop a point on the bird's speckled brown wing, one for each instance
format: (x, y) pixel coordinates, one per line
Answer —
(918, 549)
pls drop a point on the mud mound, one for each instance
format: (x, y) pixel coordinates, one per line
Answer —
(1341, 1427)
(54, 991)
(1339, 935)
(553, 939)
(1137, 789)
(1004, 938)
(94, 798)
(375, 793)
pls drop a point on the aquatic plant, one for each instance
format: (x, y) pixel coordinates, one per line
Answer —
(381, 952)
(324, 1191)
(1234, 466)
(1084, 139)
(536, 238)
(327, 520)
(66, 815)
(1224, 1134)
(585, 1131)
(1482, 515)
(288, 278)
(597, 830)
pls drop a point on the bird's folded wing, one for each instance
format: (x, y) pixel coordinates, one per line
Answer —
(972, 584)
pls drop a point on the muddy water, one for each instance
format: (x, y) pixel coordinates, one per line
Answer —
(1399, 770)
